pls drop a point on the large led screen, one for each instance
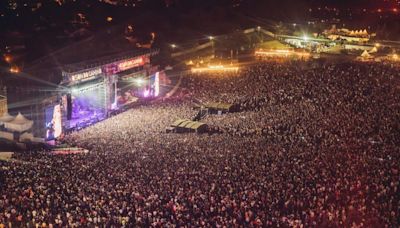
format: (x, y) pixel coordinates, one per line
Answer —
(53, 122)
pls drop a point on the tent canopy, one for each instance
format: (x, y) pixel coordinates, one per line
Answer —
(179, 122)
(19, 124)
(189, 125)
(219, 106)
(365, 54)
(6, 118)
(197, 125)
(373, 50)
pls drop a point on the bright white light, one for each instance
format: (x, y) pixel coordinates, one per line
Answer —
(146, 93)
(305, 38)
(157, 84)
(215, 68)
(57, 121)
(211, 37)
(281, 53)
(139, 81)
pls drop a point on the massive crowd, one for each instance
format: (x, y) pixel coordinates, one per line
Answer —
(311, 146)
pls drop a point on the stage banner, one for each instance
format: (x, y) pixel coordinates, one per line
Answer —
(116, 67)
(131, 63)
(86, 75)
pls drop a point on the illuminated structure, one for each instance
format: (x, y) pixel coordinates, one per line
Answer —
(48, 118)
(281, 53)
(3, 102)
(356, 36)
(392, 58)
(365, 57)
(91, 94)
(215, 68)
(3, 105)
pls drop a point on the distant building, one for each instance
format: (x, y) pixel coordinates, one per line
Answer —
(12, 4)
(3, 105)
(355, 36)
(356, 47)
(3, 102)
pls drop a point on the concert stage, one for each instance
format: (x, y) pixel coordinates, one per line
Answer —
(92, 94)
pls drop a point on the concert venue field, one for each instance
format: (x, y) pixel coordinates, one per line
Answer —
(236, 113)
(308, 146)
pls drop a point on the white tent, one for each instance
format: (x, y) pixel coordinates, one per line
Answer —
(19, 124)
(26, 137)
(365, 54)
(6, 118)
(373, 50)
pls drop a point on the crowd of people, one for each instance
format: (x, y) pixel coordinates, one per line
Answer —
(310, 146)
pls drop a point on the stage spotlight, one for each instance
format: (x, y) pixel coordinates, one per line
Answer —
(139, 81)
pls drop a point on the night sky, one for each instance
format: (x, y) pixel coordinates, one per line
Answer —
(33, 31)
